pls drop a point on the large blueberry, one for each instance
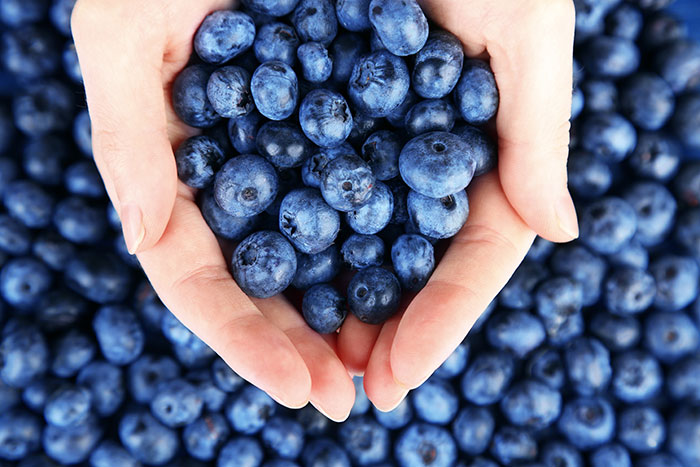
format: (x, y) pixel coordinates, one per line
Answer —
(437, 164)
(473, 429)
(316, 62)
(438, 217)
(379, 83)
(97, 276)
(608, 224)
(401, 26)
(608, 136)
(353, 15)
(486, 380)
(347, 182)
(438, 65)
(119, 334)
(315, 20)
(307, 221)
(221, 222)
(276, 41)
(198, 158)
(647, 100)
(264, 264)
(325, 118)
(246, 185)
(414, 260)
(275, 90)
(361, 251)
(283, 144)
(190, 97)
(476, 93)
(430, 115)
(228, 90)
(324, 308)
(373, 295)
(223, 35)
(374, 215)
(316, 269)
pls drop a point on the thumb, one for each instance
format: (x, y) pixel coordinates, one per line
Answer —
(124, 90)
(534, 75)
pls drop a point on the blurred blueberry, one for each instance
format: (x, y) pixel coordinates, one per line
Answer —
(558, 302)
(532, 404)
(106, 385)
(587, 422)
(97, 276)
(676, 282)
(546, 366)
(583, 266)
(512, 445)
(72, 445)
(203, 437)
(28, 203)
(79, 221)
(68, 406)
(435, 401)
(455, 364)
(683, 379)
(284, 437)
(240, 451)
(607, 224)
(109, 453)
(678, 62)
(516, 331)
(560, 454)
(71, 352)
(647, 100)
(629, 291)
(119, 334)
(487, 378)
(589, 176)
(25, 355)
(20, 434)
(146, 374)
(610, 454)
(250, 410)
(30, 52)
(610, 57)
(616, 332)
(324, 452)
(365, 440)
(588, 365)
(146, 439)
(83, 179)
(421, 444)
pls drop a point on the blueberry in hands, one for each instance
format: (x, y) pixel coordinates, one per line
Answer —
(221, 222)
(323, 308)
(401, 26)
(316, 269)
(373, 295)
(438, 66)
(197, 159)
(437, 164)
(476, 93)
(381, 151)
(224, 35)
(373, 216)
(307, 221)
(430, 115)
(483, 148)
(283, 144)
(275, 90)
(361, 251)
(438, 217)
(414, 260)
(228, 90)
(276, 41)
(325, 118)
(347, 182)
(379, 83)
(271, 7)
(264, 264)
(190, 97)
(312, 170)
(246, 185)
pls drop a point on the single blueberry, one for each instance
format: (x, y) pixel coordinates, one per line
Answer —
(25, 356)
(325, 118)
(587, 422)
(15, 238)
(637, 377)
(647, 100)
(517, 331)
(473, 429)
(607, 224)
(641, 429)
(276, 41)
(222, 223)
(599, 95)
(625, 21)
(119, 334)
(610, 57)
(284, 437)
(683, 380)
(264, 264)
(20, 434)
(250, 410)
(558, 303)
(275, 90)
(560, 453)
(587, 268)
(547, 366)
(378, 84)
(424, 444)
(361, 251)
(245, 185)
(307, 221)
(243, 130)
(670, 336)
(353, 15)
(283, 144)
(611, 454)
(72, 352)
(43, 159)
(374, 215)
(109, 453)
(347, 182)
(656, 156)
(177, 403)
(60, 309)
(413, 259)
(315, 20)
(23, 281)
(632, 255)
(224, 35)
(608, 136)
(80, 221)
(228, 91)
(686, 120)
(435, 401)
(83, 179)
(588, 365)
(240, 450)
(401, 26)
(396, 418)
(438, 218)
(476, 94)
(589, 176)
(317, 268)
(676, 282)
(678, 62)
(324, 308)
(438, 65)
(99, 277)
(629, 291)
(28, 203)
(488, 377)
(532, 404)
(616, 332)
(72, 445)
(190, 99)
(373, 295)
(430, 115)
(203, 437)
(146, 439)
(365, 440)
(512, 445)
(316, 62)
(662, 28)
(145, 375)
(68, 406)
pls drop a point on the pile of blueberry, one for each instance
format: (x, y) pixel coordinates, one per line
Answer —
(345, 156)
(589, 356)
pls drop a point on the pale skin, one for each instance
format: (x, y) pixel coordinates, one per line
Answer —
(130, 52)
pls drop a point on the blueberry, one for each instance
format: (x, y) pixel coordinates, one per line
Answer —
(560, 453)
(324, 452)
(275, 90)
(363, 125)
(228, 91)
(414, 260)
(641, 429)
(361, 251)
(146, 439)
(610, 57)
(240, 450)
(315, 20)
(473, 429)
(177, 403)
(224, 377)
(397, 117)
(558, 302)
(587, 268)
(482, 148)
(656, 156)
(28, 203)
(373, 216)
(637, 377)
(25, 356)
(670, 336)
(353, 15)
(23, 281)
(437, 164)
(516, 331)
(381, 151)
(283, 437)
(629, 291)
(345, 50)
(678, 62)
(243, 130)
(435, 401)
(283, 144)
(222, 223)
(625, 21)
(145, 375)
(589, 17)
(687, 184)
(683, 379)
(74, 444)
(430, 115)
(611, 454)
(324, 308)
(518, 292)
(546, 366)
(487, 378)
(78, 221)
(30, 52)
(683, 433)
(365, 440)
(659, 460)
(373, 295)
(316, 62)
(476, 94)
(72, 352)
(512, 445)
(37, 392)
(250, 410)
(20, 434)
(401, 26)
(16, 13)
(60, 309)
(588, 365)
(438, 65)
(600, 95)
(60, 14)
(82, 132)
(347, 182)
(676, 282)
(245, 185)
(616, 332)
(224, 35)
(396, 418)
(378, 84)
(647, 100)
(43, 159)
(264, 264)
(307, 221)
(203, 437)
(276, 41)
(271, 7)
(190, 97)
(661, 29)
(438, 218)
(83, 179)
(68, 406)
(587, 422)
(608, 136)
(312, 169)
(109, 453)
(685, 122)
(313, 421)
(97, 276)
(422, 444)
(119, 334)
(531, 404)
(608, 224)
(325, 118)
(362, 403)
(106, 386)
(15, 238)
(317, 268)
(540, 250)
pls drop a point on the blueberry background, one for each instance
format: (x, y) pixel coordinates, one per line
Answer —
(589, 356)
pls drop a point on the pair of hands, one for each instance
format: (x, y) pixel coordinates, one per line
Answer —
(130, 53)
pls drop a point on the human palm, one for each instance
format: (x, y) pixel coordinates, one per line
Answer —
(130, 55)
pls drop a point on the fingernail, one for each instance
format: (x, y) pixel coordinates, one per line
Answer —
(132, 226)
(325, 414)
(403, 386)
(566, 215)
(281, 401)
(395, 404)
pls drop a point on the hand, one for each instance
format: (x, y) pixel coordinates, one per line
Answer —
(530, 46)
(130, 52)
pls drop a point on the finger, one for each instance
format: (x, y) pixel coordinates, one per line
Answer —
(332, 390)
(196, 286)
(380, 386)
(533, 72)
(477, 264)
(355, 343)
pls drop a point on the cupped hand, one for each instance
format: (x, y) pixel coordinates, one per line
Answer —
(130, 52)
(530, 47)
